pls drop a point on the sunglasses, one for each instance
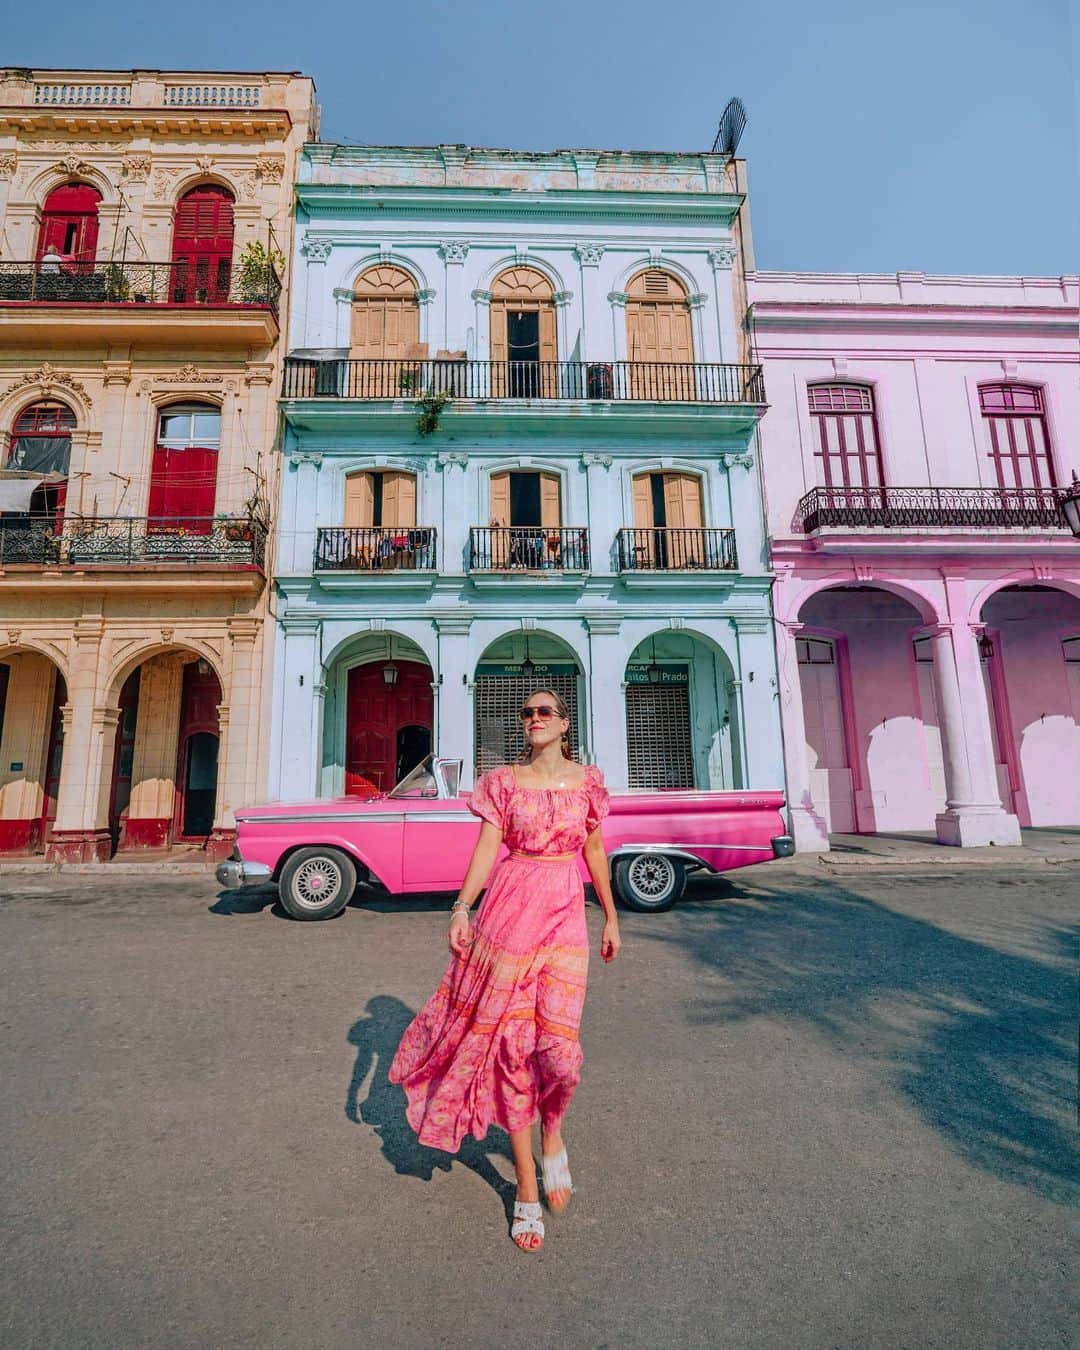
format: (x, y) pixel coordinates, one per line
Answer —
(544, 711)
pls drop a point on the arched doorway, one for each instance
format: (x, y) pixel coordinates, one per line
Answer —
(507, 673)
(69, 227)
(682, 715)
(202, 246)
(388, 724)
(659, 339)
(524, 349)
(165, 758)
(1030, 652)
(872, 729)
(33, 694)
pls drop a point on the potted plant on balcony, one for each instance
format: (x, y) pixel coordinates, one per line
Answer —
(257, 271)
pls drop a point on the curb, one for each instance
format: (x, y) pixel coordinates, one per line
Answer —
(937, 865)
(111, 870)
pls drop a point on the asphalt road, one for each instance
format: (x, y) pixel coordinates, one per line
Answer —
(815, 1113)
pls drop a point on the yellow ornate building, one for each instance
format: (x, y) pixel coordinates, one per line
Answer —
(145, 217)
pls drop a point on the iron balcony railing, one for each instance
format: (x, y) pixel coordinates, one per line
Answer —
(139, 283)
(379, 548)
(677, 549)
(909, 507)
(29, 539)
(620, 381)
(528, 548)
(232, 541)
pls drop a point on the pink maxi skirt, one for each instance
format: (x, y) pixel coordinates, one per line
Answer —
(497, 1043)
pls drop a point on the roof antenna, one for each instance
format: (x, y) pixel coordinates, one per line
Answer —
(732, 124)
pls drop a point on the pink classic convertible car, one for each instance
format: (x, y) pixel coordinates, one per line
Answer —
(420, 837)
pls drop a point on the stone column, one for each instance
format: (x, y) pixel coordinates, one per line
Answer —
(454, 706)
(973, 814)
(298, 707)
(81, 831)
(320, 328)
(763, 765)
(455, 312)
(594, 344)
(24, 750)
(747, 516)
(607, 709)
(306, 465)
(807, 826)
(456, 512)
(604, 515)
(722, 260)
(617, 300)
(562, 301)
(482, 324)
(238, 720)
(153, 770)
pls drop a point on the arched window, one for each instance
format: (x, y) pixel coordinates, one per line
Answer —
(183, 478)
(668, 520)
(41, 445)
(1019, 440)
(523, 340)
(202, 246)
(659, 341)
(69, 224)
(845, 436)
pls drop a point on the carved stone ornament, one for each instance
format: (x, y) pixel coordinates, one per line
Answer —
(248, 183)
(562, 298)
(162, 181)
(204, 163)
(72, 164)
(482, 297)
(137, 168)
(14, 634)
(618, 298)
(724, 256)
(591, 457)
(589, 255)
(191, 375)
(454, 250)
(8, 163)
(453, 458)
(739, 461)
(270, 168)
(316, 250)
(47, 376)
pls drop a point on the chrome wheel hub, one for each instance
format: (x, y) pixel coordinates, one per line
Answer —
(651, 877)
(316, 883)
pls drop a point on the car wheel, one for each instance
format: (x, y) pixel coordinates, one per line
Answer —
(317, 883)
(649, 882)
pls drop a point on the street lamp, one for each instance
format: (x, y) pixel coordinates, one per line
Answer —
(1069, 502)
(653, 670)
(389, 673)
(528, 665)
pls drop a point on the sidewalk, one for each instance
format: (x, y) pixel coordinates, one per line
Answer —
(919, 852)
(177, 862)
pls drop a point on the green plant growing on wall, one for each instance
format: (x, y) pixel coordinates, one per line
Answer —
(254, 270)
(430, 407)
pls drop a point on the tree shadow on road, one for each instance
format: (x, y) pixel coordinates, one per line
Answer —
(980, 1040)
(376, 1039)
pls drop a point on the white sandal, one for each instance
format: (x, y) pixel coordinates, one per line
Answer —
(527, 1220)
(556, 1170)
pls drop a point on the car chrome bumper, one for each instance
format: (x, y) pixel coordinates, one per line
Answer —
(234, 873)
(783, 846)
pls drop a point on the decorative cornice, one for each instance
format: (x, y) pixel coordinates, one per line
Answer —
(192, 375)
(454, 250)
(589, 255)
(46, 376)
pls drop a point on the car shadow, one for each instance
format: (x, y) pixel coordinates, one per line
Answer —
(376, 1037)
(980, 1040)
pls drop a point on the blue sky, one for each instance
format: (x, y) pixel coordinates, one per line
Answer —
(938, 137)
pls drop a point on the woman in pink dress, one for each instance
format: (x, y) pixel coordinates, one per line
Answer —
(497, 1043)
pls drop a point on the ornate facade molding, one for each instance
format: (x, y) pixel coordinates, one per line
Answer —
(72, 164)
(425, 297)
(8, 163)
(562, 298)
(589, 255)
(724, 255)
(697, 300)
(739, 461)
(47, 376)
(482, 297)
(270, 168)
(591, 457)
(312, 457)
(316, 250)
(136, 168)
(453, 458)
(192, 375)
(454, 250)
(618, 299)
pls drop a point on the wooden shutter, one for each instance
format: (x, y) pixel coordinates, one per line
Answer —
(682, 500)
(550, 513)
(359, 501)
(500, 516)
(398, 499)
(644, 550)
(549, 352)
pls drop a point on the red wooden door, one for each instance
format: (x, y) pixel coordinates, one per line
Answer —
(69, 224)
(197, 753)
(379, 717)
(183, 475)
(202, 246)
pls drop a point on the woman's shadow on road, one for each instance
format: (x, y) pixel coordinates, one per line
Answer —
(376, 1037)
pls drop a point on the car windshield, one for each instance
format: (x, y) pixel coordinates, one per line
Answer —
(420, 782)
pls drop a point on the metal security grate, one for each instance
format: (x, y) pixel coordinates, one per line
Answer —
(497, 701)
(658, 739)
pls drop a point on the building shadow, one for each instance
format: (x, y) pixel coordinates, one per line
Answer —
(376, 1037)
(981, 1041)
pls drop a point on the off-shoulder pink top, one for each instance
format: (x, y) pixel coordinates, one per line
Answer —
(541, 820)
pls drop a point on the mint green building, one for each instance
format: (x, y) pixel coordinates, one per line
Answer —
(520, 442)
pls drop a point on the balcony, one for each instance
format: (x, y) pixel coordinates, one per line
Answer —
(379, 549)
(677, 549)
(166, 541)
(598, 381)
(161, 301)
(919, 508)
(28, 541)
(528, 548)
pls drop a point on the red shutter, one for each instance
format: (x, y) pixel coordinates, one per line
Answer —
(69, 223)
(202, 246)
(183, 486)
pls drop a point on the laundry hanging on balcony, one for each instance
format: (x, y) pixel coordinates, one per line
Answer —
(16, 490)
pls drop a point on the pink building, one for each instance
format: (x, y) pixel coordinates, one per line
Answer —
(927, 599)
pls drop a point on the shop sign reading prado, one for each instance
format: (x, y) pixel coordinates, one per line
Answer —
(663, 672)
